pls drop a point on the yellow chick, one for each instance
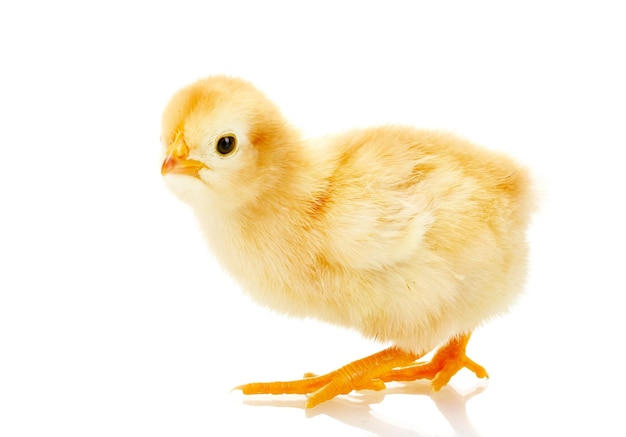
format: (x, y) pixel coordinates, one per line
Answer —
(412, 237)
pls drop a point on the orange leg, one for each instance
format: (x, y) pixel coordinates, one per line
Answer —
(358, 375)
(446, 362)
(372, 372)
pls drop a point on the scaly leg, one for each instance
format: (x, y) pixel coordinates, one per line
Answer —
(358, 375)
(446, 362)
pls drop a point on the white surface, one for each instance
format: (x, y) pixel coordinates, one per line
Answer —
(115, 320)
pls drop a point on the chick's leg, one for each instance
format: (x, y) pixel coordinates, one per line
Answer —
(358, 375)
(446, 362)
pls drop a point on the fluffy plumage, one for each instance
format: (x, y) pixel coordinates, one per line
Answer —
(409, 236)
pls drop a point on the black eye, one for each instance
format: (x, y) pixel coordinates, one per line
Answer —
(226, 144)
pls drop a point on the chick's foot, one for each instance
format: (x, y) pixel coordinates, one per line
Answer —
(362, 374)
(446, 362)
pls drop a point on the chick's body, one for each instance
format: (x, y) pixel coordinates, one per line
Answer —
(409, 236)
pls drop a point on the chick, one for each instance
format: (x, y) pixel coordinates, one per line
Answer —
(412, 237)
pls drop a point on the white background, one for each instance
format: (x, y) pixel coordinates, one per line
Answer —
(115, 319)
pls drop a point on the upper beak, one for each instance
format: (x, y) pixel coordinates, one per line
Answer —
(177, 160)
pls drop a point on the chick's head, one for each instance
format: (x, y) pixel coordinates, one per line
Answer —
(225, 143)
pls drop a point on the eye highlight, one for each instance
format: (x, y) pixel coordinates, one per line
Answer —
(226, 144)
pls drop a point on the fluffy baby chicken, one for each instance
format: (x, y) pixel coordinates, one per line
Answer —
(412, 237)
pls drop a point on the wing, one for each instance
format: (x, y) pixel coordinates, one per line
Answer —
(386, 188)
(374, 220)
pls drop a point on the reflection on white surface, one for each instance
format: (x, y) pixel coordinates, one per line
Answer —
(355, 410)
(115, 319)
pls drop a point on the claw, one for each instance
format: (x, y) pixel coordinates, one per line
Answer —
(446, 362)
(358, 375)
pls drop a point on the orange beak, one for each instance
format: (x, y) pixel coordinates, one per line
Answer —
(177, 160)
